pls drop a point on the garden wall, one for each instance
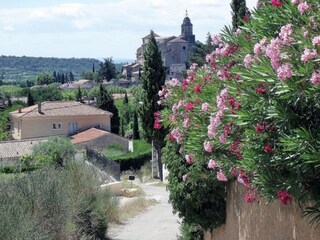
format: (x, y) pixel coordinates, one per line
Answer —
(261, 221)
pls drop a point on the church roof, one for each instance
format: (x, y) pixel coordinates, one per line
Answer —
(178, 40)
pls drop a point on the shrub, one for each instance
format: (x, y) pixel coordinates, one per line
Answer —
(251, 114)
(55, 204)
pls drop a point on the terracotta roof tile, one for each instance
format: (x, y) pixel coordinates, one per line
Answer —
(63, 108)
(88, 135)
(18, 148)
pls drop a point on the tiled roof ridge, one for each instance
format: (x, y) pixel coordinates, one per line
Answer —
(24, 140)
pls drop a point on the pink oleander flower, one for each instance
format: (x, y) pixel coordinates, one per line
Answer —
(306, 33)
(189, 107)
(207, 146)
(216, 39)
(186, 123)
(285, 33)
(316, 41)
(214, 123)
(177, 135)
(302, 7)
(157, 114)
(268, 148)
(284, 71)
(248, 59)
(205, 106)
(237, 32)
(243, 178)
(308, 55)
(251, 196)
(174, 82)
(221, 176)
(315, 78)
(261, 127)
(222, 98)
(212, 164)
(185, 177)
(260, 46)
(189, 158)
(197, 89)
(223, 138)
(295, 2)
(235, 171)
(284, 197)
(276, 3)
(223, 74)
(261, 89)
(156, 124)
(273, 52)
(210, 58)
(171, 138)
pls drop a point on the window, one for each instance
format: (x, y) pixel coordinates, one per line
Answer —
(56, 126)
(184, 48)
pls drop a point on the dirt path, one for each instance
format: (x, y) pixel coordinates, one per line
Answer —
(156, 223)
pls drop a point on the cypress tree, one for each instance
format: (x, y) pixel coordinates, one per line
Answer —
(153, 78)
(106, 102)
(125, 100)
(71, 76)
(135, 131)
(30, 100)
(122, 127)
(239, 10)
(79, 95)
(62, 78)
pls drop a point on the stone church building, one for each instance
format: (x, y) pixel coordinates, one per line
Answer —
(174, 52)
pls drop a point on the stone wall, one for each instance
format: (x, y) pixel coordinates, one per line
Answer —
(260, 220)
(103, 141)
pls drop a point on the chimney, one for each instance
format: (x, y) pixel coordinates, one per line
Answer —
(19, 110)
(39, 107)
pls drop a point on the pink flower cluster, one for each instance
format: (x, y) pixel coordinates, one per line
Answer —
(207, 146)
(315, 78)
(260, 47)
(177, 135)
(285, 33)
(212, 164)
(308, 55)
(273, 52)
(284, 197)
(222, 99)
(302, 7)
(248, 59)
(284, 71)
(221, 176)
(189, 158)
(316, 41)
(205, 106)
(214, 123)
(216, 120)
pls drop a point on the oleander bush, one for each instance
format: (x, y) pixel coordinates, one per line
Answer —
(251, 114)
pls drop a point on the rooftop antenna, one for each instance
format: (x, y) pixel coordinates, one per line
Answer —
(186, 13)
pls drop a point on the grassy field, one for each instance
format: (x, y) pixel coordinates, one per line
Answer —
(116, 152)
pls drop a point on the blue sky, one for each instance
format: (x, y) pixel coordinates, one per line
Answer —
(101, 28)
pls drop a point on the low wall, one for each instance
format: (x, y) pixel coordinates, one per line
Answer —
(103, 141)
(259, 220)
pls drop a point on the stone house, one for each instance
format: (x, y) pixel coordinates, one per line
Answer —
(61, 118)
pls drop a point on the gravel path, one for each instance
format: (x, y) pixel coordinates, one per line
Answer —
(156, 223)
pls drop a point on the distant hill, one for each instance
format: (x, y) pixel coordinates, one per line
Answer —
(26, 68)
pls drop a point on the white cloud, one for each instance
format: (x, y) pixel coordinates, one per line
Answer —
(113, 27)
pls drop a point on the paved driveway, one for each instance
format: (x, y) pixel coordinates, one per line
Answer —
(156, 223)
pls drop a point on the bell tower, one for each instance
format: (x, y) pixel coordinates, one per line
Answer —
(187, 30)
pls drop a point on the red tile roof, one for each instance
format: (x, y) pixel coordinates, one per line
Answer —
(62, 108)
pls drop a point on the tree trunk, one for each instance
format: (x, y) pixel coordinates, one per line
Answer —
(159, 162)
